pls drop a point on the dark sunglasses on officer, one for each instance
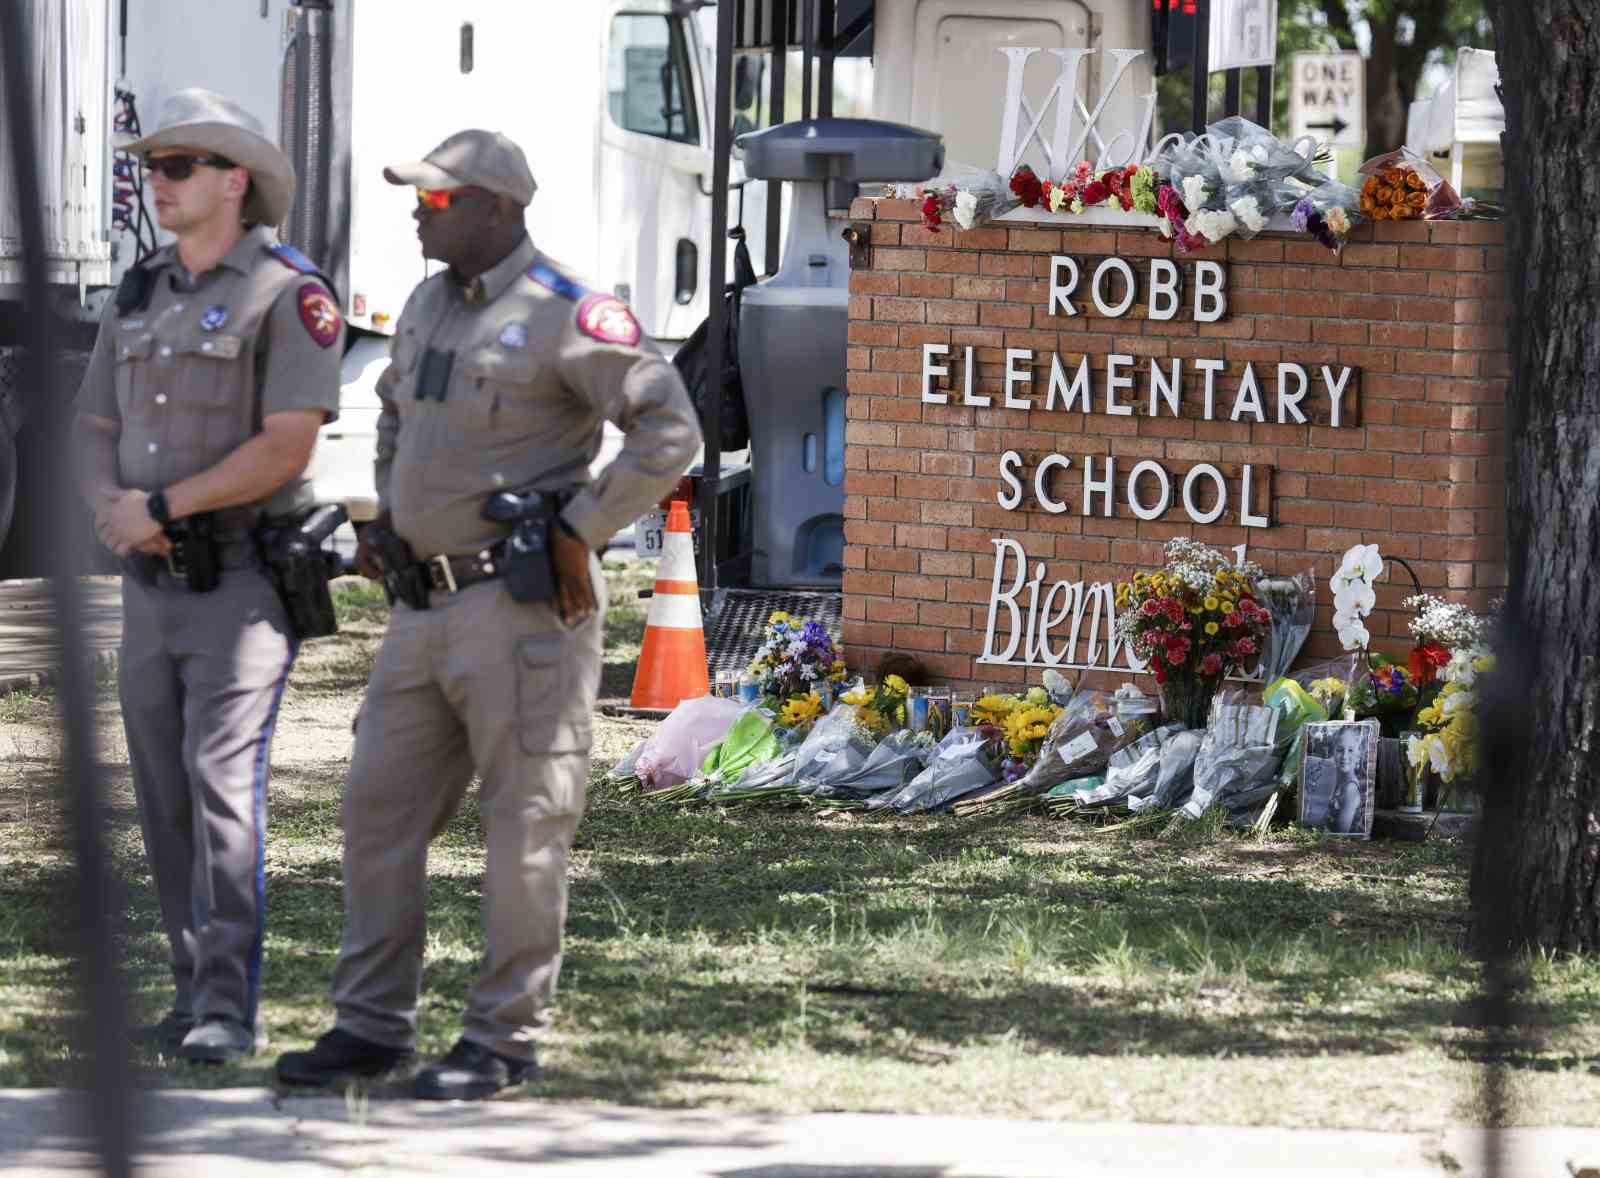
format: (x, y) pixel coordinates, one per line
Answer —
(181, 167)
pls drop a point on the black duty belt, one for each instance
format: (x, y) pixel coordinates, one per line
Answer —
(451, 574)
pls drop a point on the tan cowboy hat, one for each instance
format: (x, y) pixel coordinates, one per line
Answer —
(204, 121)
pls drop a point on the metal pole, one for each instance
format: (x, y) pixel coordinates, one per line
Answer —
(808, 45)
(825, 73)
(1264, 96)
(103, 1069)
(1201, 66)
(717, 325)
(1231, 82)
(780, 80)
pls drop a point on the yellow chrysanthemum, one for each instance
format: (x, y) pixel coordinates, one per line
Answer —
(801, 710)
(854, 698)
(1212, 627)
(1227, 605)
(896, 684)
(1212, 603)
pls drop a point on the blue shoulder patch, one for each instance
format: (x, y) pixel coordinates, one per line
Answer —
(292, 258)
(560, 283)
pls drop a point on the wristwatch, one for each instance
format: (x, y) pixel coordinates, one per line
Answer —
(156, 504)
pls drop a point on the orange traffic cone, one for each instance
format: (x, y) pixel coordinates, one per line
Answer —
(672, 662)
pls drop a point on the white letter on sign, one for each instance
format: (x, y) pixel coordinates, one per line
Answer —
(1215, 475)
(1335, 391)
(1126, 271)
(1210, 292)
(968, 397)
(1010, 463)
(1210, 368)
(1249, 397)
(1163, 289)
(1139, 509)
(1058, 384)
(1016, 376)
(1060, 290)
(1289, 402)
(1041, 482)
(1093, 486)
(1004, 548)
(1117, 379)
(1247, 517)
(931, 370)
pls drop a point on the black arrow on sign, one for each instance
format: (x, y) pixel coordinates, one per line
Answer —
(1336, 125)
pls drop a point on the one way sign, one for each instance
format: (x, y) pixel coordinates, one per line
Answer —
(1327, 98)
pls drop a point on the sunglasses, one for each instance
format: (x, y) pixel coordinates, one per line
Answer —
(181, 167)
(443, 198)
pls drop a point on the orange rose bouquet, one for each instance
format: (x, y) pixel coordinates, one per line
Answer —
(1402, 186)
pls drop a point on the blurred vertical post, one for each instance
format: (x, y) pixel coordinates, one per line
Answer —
(103, 1045)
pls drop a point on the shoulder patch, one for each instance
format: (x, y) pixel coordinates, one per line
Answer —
(319, 314)
(607, 319)
(551, 279)
(292, 258)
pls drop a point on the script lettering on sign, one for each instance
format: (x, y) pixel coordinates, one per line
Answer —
(1075, 126)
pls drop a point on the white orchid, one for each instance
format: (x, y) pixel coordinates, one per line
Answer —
(1356, 598)
(1353, 634)
(1353, 597)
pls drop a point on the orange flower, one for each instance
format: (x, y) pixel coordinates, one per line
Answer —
(1417, 200)
(1393, 176)
(1379, 213)
(1367, 203)
(1385, 194)
(1415, 180)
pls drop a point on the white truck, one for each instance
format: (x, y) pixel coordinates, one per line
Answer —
(611, 99)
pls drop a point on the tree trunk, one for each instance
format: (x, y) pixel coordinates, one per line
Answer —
(1539, 856)
(1386, 114)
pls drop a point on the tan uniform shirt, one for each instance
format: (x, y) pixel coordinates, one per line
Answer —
(539, 365)
(191, 376)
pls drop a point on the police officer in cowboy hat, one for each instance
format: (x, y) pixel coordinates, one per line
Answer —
(212, 372)
(503, 371)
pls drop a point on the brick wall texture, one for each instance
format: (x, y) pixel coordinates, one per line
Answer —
(1418, 308)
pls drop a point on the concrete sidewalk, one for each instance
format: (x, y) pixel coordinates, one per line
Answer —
(252, 1133)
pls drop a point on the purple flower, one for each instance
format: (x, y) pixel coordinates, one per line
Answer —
(1303, 212)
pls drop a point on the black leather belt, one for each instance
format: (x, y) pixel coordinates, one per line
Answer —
(451, 574)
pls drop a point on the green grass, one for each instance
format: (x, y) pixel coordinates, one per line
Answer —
(775, 959)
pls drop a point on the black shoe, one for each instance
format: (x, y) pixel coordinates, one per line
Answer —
(219, 1039)
(165, 1035)
(339, 1055)
(471, 1072)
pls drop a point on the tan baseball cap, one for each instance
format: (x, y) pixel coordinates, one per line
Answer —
(484, 159)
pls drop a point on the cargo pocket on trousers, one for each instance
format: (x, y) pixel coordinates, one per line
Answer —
(551, 712)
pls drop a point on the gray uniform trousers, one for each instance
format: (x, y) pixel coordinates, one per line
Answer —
(201, 676)
(475, 681)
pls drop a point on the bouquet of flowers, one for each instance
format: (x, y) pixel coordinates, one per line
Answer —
(1448, 742)
(1387, 694)
(1193, 621)
(969, 196)
(882, 708)
(1401, 185)
(1439, 628)
(794, 656)
(1328, 213)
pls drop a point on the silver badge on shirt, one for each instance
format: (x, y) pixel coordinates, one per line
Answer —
(514, 335)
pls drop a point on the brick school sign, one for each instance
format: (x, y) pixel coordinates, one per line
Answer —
(1034, 410)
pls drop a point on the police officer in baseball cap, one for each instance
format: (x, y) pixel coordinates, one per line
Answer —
(212, 372)
(502, 374)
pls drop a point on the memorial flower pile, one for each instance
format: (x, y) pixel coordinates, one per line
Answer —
(1439, 628)
(1193, 621)
(794, 656)
(882, 708)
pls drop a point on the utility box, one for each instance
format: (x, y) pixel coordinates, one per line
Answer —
(792, 336)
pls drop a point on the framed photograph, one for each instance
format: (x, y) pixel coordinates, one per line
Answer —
(1339, 776)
